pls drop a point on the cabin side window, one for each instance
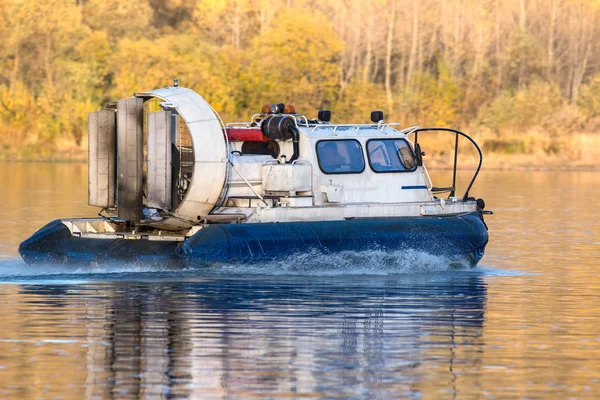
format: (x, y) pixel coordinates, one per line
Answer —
(340, 156)
(270, 148)
(390, 155)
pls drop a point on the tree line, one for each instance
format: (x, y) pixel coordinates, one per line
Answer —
(495, 67)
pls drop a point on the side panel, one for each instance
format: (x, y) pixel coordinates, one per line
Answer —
(159, 160)
(101, 158)
(455, 240)
(295, 177)
(129, 158)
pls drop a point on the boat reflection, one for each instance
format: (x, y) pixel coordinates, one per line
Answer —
(370, 337)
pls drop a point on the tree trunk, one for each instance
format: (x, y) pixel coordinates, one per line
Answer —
(581, 66)
(522, 16)
(523, 27)
(263, 16)
(498, 52)
(375, 69)
(14, 76)
(478, 53)
(552, 29)
(369, 54)
(473, 77)
(419, 66)
(236, 28)
(342, 23)
(48, 59)
(355, 43)
(388, 60)
(414, 44)
(457, 38)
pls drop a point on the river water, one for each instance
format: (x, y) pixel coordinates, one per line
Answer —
(524, 324)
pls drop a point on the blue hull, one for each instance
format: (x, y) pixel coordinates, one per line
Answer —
(460, 240)
(54, 244)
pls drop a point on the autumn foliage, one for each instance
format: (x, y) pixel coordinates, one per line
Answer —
(498, 68)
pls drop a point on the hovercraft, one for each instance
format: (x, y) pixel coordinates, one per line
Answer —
(175, 185)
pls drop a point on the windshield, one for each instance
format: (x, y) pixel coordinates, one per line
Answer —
(390, 155)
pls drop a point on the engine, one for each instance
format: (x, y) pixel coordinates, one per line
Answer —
(163, 149)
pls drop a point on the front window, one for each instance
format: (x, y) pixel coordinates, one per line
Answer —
(390, 155)
(340, 156)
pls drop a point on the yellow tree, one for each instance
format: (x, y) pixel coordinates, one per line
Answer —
(42, 36)
(119, 18)
(235, 22)
(296, 60)
(147, 64)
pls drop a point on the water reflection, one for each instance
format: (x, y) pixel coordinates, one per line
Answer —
(363, 337)
(32, 194)
(525, 325)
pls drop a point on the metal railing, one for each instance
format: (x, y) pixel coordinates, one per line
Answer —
(457, 133)
(357, 127)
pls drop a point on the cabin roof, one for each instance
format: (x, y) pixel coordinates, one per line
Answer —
(332, 131)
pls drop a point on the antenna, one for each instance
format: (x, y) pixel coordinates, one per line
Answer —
(175, 82)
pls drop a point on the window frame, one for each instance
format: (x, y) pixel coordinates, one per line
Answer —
(362, 154)
(413, 169)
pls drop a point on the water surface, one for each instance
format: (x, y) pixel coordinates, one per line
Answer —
(524, 324)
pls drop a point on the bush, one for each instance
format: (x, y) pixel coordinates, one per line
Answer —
(589, 99)
(523, 109)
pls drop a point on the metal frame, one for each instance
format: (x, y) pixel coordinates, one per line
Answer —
(457, 134)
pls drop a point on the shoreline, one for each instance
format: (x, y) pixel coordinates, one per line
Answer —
(581, 152)
(434, 165)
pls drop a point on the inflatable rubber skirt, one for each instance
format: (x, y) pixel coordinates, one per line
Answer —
(460, 240)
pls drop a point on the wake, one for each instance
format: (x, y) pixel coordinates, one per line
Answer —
(311, 263)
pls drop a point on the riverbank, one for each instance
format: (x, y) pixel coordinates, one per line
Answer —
(492, 162)
(579, 152)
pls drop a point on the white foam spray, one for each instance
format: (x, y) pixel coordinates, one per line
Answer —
(310, 263)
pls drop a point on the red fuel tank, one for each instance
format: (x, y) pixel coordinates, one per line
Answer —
(245, 134)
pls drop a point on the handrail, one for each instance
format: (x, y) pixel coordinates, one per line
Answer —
(357, 126)
(457, 133)
(297, 117)
(305, 123)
